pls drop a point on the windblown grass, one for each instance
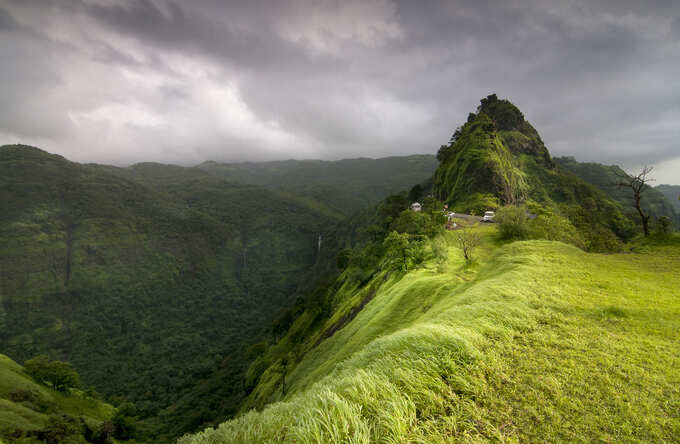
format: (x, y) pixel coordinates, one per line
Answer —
(537, 342)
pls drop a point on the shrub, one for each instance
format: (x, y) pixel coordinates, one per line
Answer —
(64, 429)
(513, 222)
(411, 222)
(22, 395)
(468, 241)
(601, 240)
(556, 228)
(663, 225)
(403, 250)
(124, 423)
(439, 250)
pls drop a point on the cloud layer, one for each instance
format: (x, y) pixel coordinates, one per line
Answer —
(122, 81)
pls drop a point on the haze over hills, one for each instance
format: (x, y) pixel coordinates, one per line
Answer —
(343, 185)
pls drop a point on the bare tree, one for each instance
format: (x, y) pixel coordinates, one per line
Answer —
(638, 184)
(468, 241)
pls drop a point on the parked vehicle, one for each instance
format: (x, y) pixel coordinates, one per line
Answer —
(488, 216)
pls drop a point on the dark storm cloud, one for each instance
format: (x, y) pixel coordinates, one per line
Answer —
(122, 81)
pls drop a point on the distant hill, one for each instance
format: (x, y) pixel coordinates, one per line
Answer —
(604, 176)
(343, 186)
(31, 408)
(672, 193)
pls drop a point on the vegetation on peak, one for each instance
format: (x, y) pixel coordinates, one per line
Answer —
(478, 161)
(517, 133)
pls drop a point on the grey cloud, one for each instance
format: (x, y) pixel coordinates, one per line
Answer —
(242, 80)
(7, 22)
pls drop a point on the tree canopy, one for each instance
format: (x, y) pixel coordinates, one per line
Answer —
(60, 375)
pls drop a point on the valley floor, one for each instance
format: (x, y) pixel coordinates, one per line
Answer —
(537, 341)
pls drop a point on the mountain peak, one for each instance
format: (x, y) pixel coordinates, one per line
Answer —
(518, 134)
(506, 115)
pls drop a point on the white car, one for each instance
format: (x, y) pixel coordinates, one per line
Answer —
(488, 216)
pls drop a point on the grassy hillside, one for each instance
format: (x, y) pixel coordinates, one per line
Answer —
(342, 186)
(604, 177)
(149, 280)
(28, 407)
(672, 193)
(536, 341)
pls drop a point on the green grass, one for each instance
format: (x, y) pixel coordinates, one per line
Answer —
(33, 415)
(537, 341)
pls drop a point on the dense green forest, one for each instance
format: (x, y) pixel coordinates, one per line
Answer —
(415, 341)
(153, 280)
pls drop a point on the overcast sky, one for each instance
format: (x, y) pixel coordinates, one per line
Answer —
(122, 81)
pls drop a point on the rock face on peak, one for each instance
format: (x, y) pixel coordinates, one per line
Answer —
(518, 134)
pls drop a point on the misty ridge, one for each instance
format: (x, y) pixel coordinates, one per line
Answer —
(331, 222)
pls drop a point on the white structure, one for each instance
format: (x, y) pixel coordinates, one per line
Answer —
(488, 216)
(415, 206)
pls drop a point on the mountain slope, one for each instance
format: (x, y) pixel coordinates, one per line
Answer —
(492, 352)
(342, 186)
(604, 177)
(147, 283)
(672, 193)
(28, 407)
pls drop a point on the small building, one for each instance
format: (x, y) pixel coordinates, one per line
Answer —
(415, 206)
